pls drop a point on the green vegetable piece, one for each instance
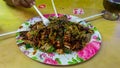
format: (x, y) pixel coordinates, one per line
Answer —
(98, 38)
(26, 23)
(36, 48)
(34, 58)
(20, 41)
(71, 23)
(88, 24)
(74, 60)
(95, 29)
(79, 59)
(71, 62)
(58, 60)
(51, 49)
(27, 46)
(17, 34)
(67, 51)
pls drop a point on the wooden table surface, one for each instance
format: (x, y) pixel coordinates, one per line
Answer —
(11, 18)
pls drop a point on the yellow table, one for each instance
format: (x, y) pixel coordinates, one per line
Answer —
(12, 18)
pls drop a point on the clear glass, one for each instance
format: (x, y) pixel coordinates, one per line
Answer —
(112, 8)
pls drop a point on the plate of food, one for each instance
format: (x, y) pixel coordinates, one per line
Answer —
(65, 41)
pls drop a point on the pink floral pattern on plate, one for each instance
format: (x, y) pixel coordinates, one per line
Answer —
(90, 50)
(48, 58)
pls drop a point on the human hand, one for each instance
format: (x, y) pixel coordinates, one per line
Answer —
(23, 3)
(27, 3)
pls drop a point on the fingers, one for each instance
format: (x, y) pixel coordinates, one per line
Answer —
(31, 2)
(24, 3)
(27, 3)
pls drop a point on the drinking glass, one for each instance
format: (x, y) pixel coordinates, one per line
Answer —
(112, 9)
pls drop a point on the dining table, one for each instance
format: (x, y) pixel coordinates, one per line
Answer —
(11, 19)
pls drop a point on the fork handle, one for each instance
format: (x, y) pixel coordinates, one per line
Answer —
(4, 34)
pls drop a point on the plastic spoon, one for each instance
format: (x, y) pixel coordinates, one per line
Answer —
(91, 16)
(53, 4)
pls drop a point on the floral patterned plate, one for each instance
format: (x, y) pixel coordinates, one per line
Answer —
(64, 59)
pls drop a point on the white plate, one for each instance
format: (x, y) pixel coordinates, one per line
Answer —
(88, 52)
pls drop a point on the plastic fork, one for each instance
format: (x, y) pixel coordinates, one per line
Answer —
(45, 20)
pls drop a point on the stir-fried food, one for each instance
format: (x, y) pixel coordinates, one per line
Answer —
(61, 36)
